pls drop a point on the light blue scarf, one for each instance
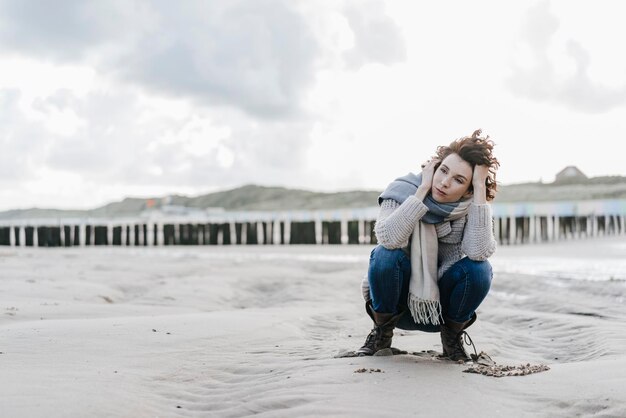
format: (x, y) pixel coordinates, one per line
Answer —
(406, 186)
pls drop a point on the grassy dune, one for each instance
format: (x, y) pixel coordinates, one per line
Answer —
(252, 197)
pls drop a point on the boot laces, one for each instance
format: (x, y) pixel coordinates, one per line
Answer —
(464, 338)
(373, 336)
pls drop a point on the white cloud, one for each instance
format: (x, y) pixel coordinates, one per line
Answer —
(565, 81)
(376, 37)
(101, 100)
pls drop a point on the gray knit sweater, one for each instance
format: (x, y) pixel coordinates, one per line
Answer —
(471, 235)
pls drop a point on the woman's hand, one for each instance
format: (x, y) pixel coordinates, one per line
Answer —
(428, 172)
(481, 172)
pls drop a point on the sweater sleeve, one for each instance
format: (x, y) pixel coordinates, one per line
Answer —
(478, 240)
(396, 222)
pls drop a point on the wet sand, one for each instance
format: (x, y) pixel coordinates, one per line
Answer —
(239, 331)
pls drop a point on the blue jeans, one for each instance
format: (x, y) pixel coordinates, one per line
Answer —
(462, 288)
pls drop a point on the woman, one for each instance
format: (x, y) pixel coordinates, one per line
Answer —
(430, 270)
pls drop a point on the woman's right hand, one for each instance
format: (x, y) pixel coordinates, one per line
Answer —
(428, 172)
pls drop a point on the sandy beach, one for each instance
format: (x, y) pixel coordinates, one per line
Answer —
(253, 330)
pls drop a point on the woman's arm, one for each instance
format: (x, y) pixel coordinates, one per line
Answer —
(478, 240)
(395, 222)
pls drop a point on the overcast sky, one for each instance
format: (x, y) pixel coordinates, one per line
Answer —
(100, 100)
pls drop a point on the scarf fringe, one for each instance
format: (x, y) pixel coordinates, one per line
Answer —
(425, 311)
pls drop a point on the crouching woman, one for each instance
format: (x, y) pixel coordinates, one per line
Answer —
(429, 271)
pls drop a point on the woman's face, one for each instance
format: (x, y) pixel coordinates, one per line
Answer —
(452, 180)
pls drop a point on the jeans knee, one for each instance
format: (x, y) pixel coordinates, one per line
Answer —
(481, 268)
(385, 262)
(480, 272)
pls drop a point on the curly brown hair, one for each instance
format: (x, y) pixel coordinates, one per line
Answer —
(476, 150)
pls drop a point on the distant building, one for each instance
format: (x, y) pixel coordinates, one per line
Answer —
(570, 174)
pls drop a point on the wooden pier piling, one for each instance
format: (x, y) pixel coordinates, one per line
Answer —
(514, 224)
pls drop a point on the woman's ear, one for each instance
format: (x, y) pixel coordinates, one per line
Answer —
(469, 193)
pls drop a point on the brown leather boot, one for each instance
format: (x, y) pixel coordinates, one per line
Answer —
(452, 334)
(382, 333)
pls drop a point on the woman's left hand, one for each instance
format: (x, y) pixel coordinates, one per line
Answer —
(481, 172)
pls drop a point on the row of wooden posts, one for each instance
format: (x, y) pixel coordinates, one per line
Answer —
(507, 230)
(151, 234)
